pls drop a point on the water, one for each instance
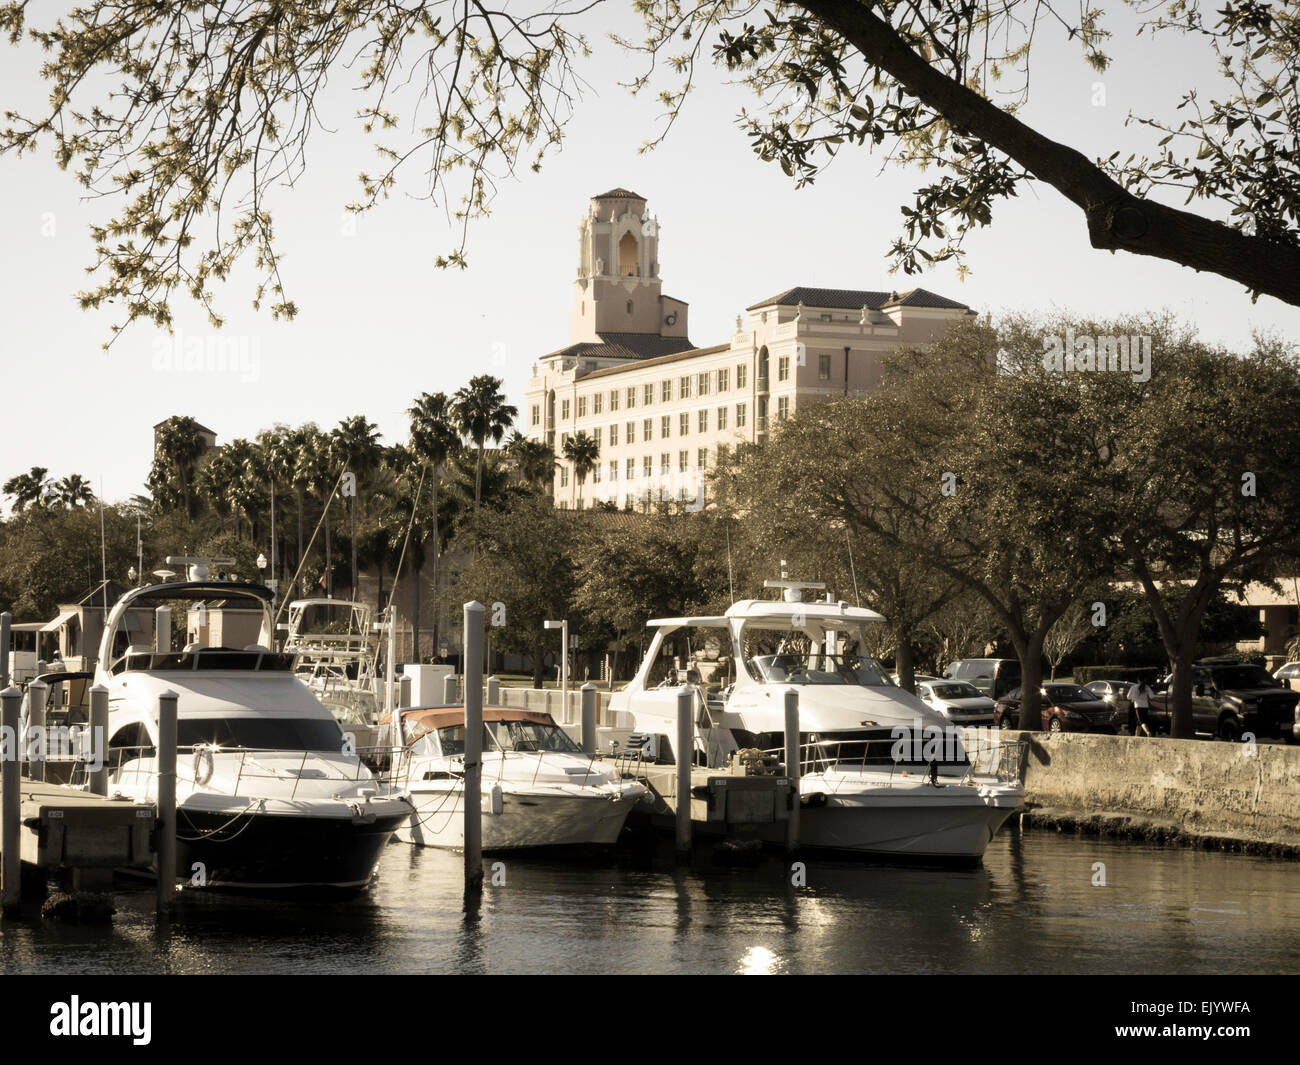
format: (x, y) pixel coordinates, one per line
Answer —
(1032, 907)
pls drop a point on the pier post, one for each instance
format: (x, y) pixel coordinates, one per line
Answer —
(449, 692)
(493, 691)
(685, 756)
(99, 738)
(41, 666)
(473, 642)
(10, 802)
(792, 767)
(166, 798)
(163, 629)
(34, 742)
(5, 619)
(589, 698)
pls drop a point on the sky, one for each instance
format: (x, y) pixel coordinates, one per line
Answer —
(379, 323)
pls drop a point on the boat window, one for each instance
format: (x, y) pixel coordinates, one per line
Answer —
(128, 743)
(818, 668)
(530, 736)
(262, 733)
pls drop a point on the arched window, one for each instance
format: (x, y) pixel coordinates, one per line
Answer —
(627, 255)
(629, 306)
(762, 370)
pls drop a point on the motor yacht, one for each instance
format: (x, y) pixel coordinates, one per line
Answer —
(270, 793)
(881, 773)
(538, 787)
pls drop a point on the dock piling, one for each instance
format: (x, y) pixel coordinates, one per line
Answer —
(589, 718)
(493, 691)
(685, 757)
(449, 693)
(473, 642)
(792, 767)
(166, 798)
(162, 629)
(34, 742)
(99, 739)
(10, 802)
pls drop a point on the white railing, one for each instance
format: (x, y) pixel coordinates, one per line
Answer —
(986, 761)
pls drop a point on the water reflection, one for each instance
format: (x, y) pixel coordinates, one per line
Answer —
(1036, 905)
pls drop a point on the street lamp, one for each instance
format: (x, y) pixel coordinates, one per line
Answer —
(563, 626)
(261, 569)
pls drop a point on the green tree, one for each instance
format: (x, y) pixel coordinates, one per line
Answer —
(178, 447)
(582, 450)
(355, 444)
(30, 488)
(534, 460)
(434, 440)
(481, 413)
(74, 491)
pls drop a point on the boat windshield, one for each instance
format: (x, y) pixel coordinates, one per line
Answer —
(818, 668)
(261, 733)
(510, 736)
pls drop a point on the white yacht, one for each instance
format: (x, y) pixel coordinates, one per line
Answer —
(334, 652)
(538, 787)
(881, 773)
(270, 793)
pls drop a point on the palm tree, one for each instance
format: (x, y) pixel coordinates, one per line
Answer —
(317, 471)
(434, 440)
(481, 412)
(356, 447)
(31, 487)
(583, 451)
(277, 461)
(74, 490)
(534, 460)
(178, 446)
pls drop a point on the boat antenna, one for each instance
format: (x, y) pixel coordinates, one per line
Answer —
(103, 550)
(731, 584)
(848, 540)
(307, 551)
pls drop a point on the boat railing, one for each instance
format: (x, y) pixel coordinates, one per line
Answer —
(984, 761)
(196, 764)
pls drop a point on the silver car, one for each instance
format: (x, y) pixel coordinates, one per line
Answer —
(959, 702)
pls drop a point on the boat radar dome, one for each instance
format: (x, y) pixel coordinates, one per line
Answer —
(198, 568)
(792, 591)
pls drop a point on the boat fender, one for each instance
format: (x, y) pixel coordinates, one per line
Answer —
(496, 799)
(813, 800)
(203, 764)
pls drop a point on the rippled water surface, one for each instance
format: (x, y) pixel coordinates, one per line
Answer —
(1032, 907)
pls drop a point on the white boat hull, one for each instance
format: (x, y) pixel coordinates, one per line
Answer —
(528, 818)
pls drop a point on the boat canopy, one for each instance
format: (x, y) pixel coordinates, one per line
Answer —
(784, 614)
(424, 720)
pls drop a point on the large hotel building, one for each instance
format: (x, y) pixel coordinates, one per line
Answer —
(658, 407)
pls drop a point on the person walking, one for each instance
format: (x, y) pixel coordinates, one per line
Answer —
(1139, 695)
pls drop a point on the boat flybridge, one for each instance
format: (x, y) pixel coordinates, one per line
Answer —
(880, 772)
(330, 641)
(538, 787)
(270, 793)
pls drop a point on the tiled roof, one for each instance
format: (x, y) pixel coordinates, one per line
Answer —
(618, 194)
(674, 357)
(625, 346)
(852, 299)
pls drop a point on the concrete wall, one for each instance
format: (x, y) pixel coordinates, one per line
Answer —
(1203, 786)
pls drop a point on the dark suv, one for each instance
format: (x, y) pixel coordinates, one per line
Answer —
(1231, 698)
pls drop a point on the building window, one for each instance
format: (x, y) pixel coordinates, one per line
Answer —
(631, 433)
(740, 415)
(665, 463)
(704, 384)
(783, 407)
(564, 410)
(598, 403)
(613, 435)
(702, 458)
(613, 399)
(722, 418)
(683, 461)
(648, 429)
(648, 394)
(595, 433)
(666, 391)
(703, 419)
(629, 306)
(613, 470)
(783, 368)
(724, 380)
(582, 406)
(824, 367)
(595, 474)
(537, 414)
(666, 426)
(684, 387)
(685, 423)
(630, 472)
(647, 466)
(631, 398)
(742, 375)
(564, 476)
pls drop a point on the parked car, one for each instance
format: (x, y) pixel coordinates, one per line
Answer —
(1289, 675)
(917, 678)
(1115, 692)
(1065, 708)
(1231, 698)
(959, 702)
(994, 677)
